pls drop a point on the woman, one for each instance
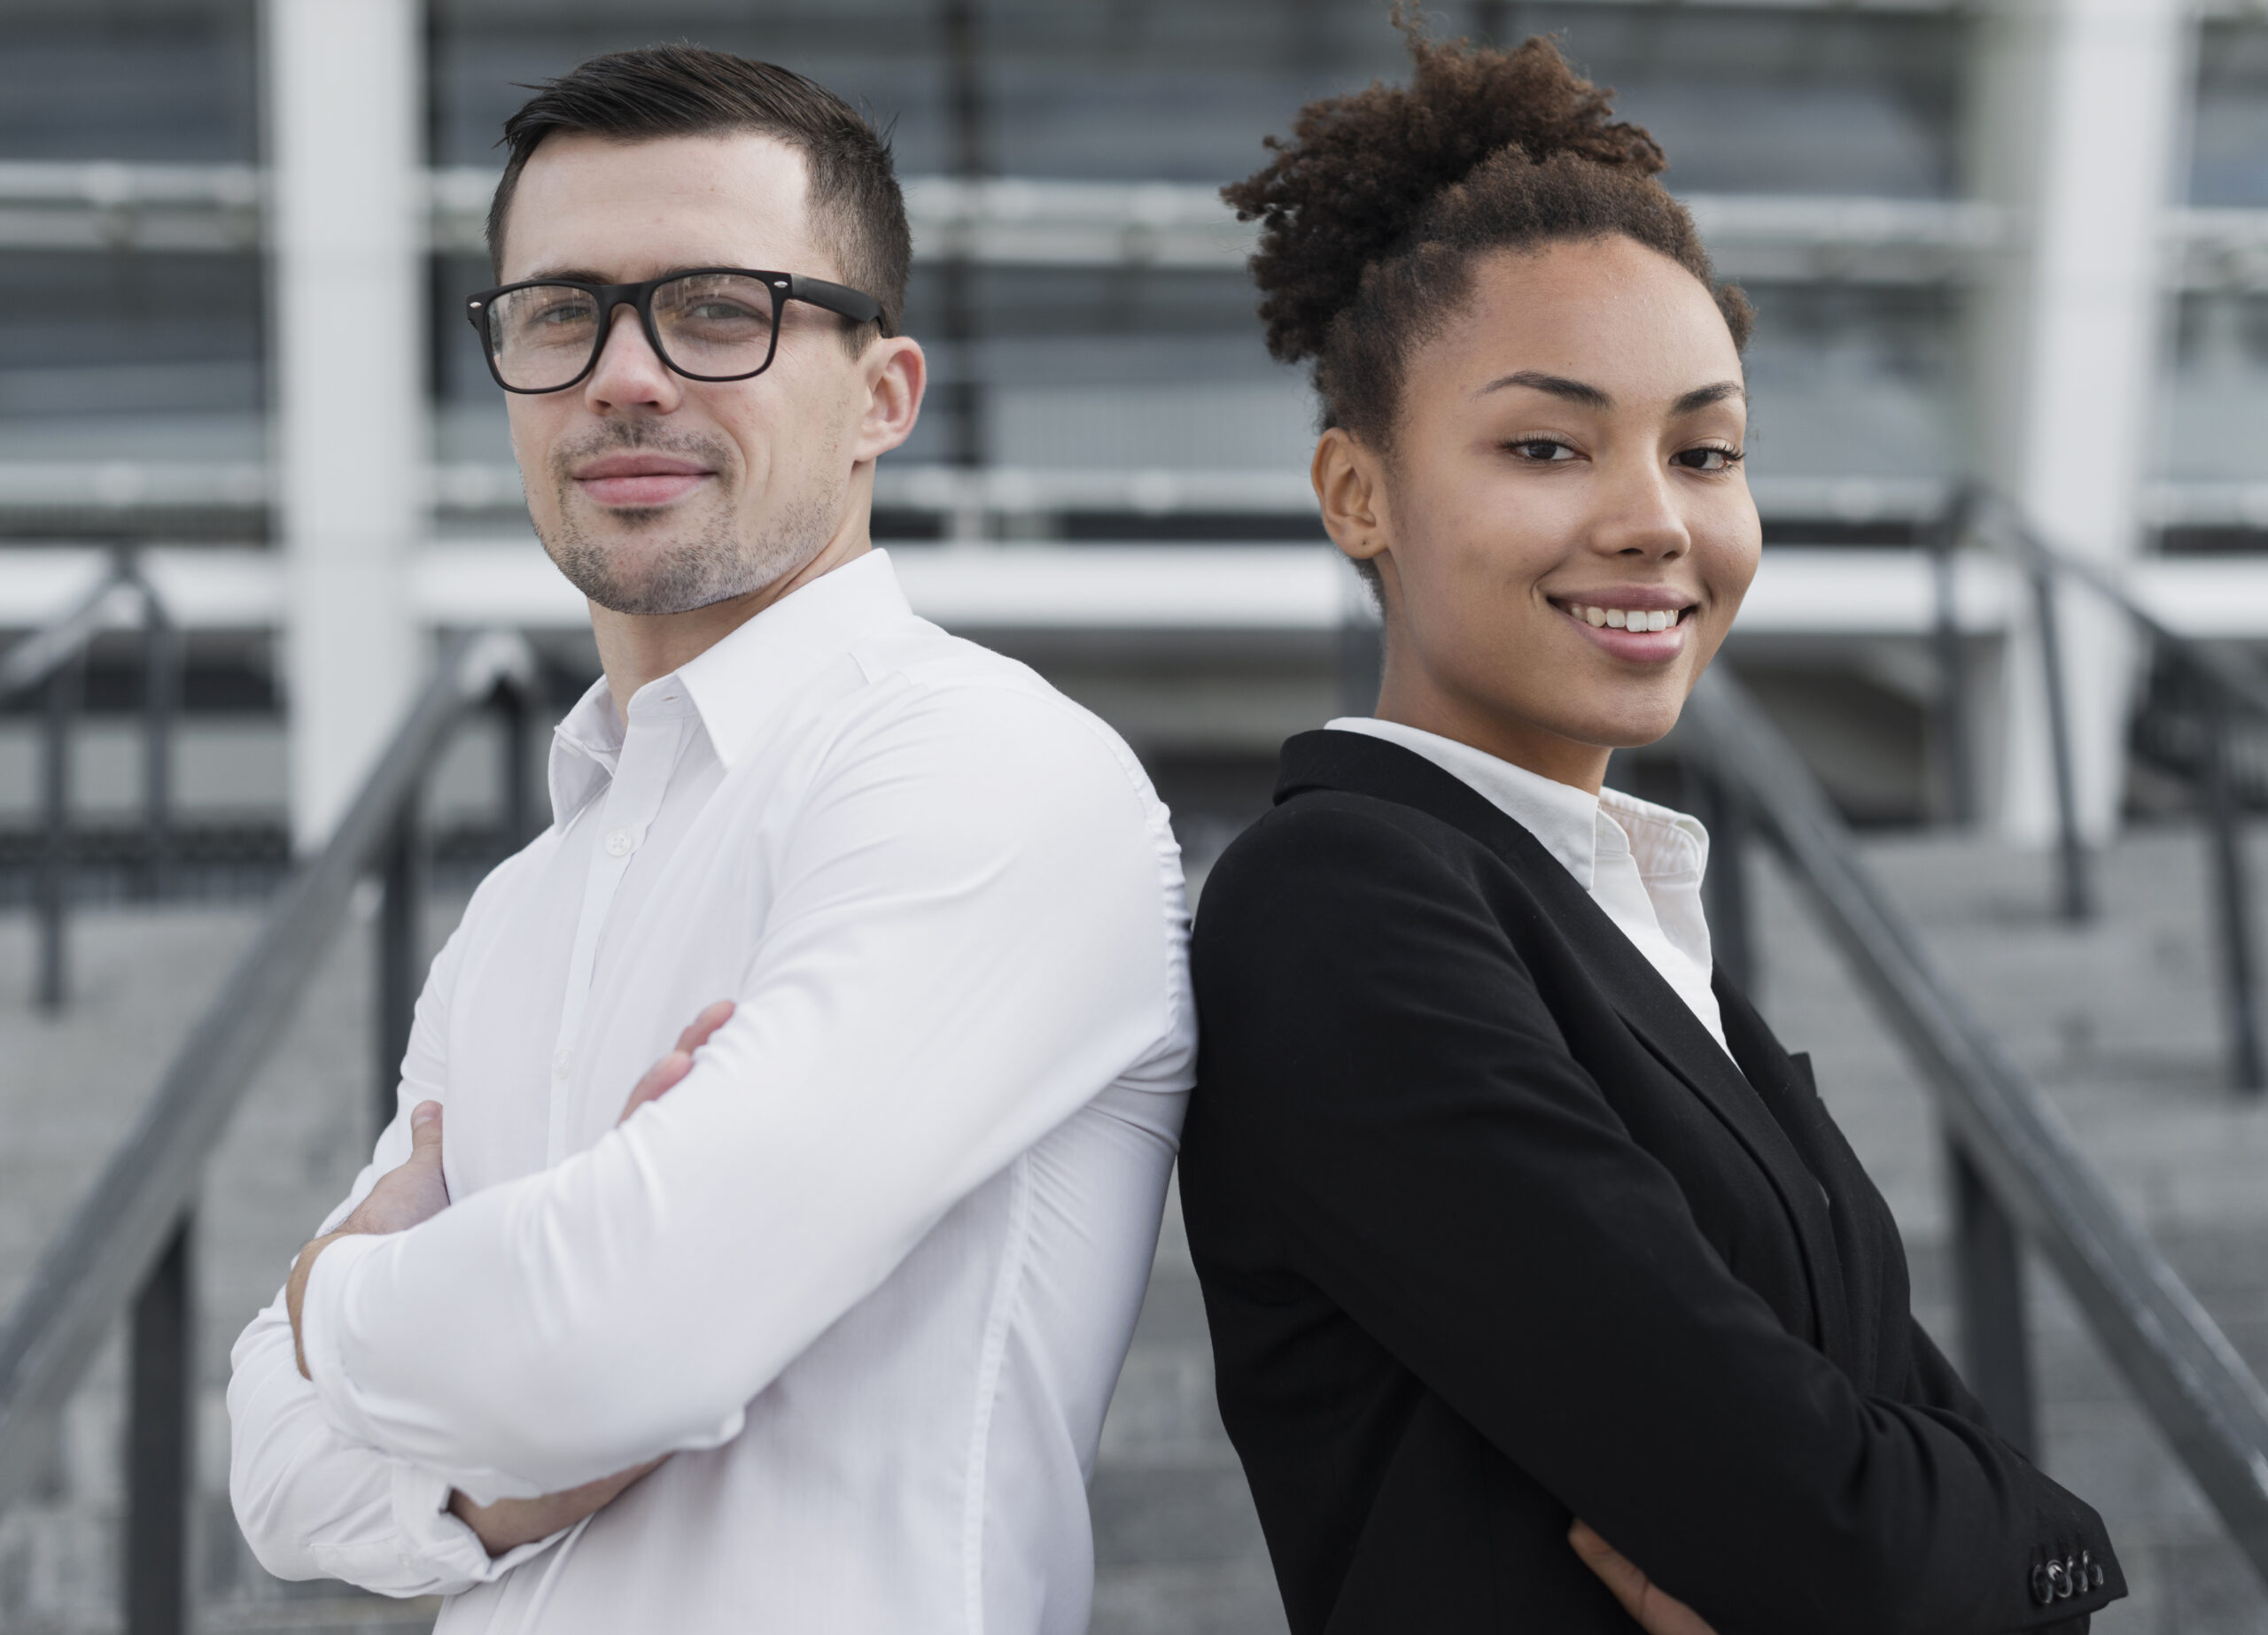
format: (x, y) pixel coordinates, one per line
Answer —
(1524, 1242)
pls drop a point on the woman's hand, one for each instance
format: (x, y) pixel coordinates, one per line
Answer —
(1657, 1612)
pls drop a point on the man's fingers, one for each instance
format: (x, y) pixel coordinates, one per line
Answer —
(425, 1132)
(661, 1076)
(665, 1073)
(708, 1022)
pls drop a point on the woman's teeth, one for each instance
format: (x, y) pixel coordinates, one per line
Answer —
(1625, 618)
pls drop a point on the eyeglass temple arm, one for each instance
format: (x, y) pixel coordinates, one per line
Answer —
(852, 304)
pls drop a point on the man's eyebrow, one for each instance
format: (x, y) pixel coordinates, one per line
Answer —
(564, 274)
(1558, 385)
(1702, 397)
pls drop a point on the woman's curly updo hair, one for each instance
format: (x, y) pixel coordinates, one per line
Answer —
(1374, 212)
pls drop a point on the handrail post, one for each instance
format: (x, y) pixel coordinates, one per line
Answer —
(62, 703)
(1955, 752)
(2071, 864)
(2231, 891)
(1719, 805)
(516, 797)
(160, 1431)
(402, 894)
(1988, 1283)
(161, 700)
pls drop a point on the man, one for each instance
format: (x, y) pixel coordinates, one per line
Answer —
(822, 1338)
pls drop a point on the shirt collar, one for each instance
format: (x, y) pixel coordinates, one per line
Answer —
(736, 685)
(1579, 828)
(584, 749)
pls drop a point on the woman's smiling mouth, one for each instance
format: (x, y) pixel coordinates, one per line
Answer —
(1642, 625)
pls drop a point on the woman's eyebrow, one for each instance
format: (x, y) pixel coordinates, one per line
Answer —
(1558, 385)
(1592, 397)
(1702, 397)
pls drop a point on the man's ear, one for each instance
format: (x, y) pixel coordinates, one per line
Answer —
(1349, 485)
(896, 373)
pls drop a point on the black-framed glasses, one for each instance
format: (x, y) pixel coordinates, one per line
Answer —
(705, 324)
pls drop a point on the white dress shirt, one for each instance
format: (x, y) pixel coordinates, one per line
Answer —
(871, 1269)
(1642, 863)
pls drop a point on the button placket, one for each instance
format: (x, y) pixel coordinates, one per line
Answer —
(633, 799)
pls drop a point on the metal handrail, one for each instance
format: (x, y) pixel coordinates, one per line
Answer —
(2188, 1377)
(47, 650)
(2231, 682)
(131, 1227)
(47, 658)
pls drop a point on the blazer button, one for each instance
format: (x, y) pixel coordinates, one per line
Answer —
(2071, 1578)
(2059, 1585)
(2043, 1589)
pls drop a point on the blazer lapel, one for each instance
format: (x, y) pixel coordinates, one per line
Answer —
(1668, 1026)
(1648, 1004)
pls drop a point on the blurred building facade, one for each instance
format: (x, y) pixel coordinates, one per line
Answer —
(2023, 242)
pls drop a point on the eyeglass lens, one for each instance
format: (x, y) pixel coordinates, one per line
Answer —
(542, 337)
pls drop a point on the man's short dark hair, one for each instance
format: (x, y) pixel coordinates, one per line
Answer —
(856, 210)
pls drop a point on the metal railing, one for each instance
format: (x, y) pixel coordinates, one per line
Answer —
(2018, 1173)
(53, 658)
(2225, 685)
(129, 1245)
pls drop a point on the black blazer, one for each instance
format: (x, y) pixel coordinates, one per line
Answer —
(1492, 1233)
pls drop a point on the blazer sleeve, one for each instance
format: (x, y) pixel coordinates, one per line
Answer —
(1441, 1167)
(1936, 1384)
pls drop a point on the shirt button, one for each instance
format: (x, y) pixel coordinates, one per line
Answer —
(619, 843)
(562, 1059)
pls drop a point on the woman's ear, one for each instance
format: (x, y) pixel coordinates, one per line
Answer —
(1349, 487)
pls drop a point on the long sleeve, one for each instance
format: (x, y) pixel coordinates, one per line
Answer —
(312, 1503)
(1438, 1163)
(970, 933)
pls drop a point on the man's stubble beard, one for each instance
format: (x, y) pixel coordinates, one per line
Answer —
(710, 563)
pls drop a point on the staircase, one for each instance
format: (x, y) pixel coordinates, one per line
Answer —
(2117, 1020)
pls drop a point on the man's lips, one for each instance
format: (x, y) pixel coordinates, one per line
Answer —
(639, 480)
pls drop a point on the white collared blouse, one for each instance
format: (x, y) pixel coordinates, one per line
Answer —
(1642, 863)
(871, 1269)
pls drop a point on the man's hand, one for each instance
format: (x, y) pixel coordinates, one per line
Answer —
(511, 1523)
(1657, 1613)
(403, 1197)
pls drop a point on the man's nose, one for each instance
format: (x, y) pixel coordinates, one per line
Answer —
(628, 370)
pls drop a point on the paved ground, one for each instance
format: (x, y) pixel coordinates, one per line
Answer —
(2118, 1019)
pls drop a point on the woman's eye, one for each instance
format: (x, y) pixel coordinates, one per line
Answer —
(1542, 448)
(1707, 459)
